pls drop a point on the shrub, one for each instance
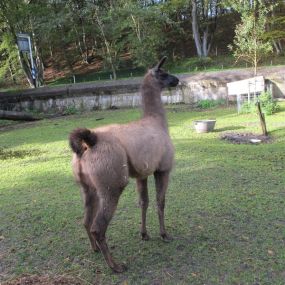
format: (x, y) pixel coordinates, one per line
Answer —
(209, 103)
(269, 106)
(70, 110)
(248, 107)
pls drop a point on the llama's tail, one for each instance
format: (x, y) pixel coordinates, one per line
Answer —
(80, 139)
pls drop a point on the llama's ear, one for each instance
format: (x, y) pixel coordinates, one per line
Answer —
(159, 65)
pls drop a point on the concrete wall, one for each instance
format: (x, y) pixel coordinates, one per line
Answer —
(59, 100)
(92, 96)
(125, 93)
(193, 91)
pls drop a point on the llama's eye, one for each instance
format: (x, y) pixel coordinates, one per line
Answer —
(163, 76)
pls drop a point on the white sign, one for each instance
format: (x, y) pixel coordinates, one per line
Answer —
(23, 42)
(247, 86)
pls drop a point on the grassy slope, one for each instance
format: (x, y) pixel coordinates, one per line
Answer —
(225, 206)
(185, 65)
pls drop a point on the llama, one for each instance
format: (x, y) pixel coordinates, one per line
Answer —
(104, 159)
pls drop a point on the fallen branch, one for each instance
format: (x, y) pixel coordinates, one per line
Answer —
(17, 116)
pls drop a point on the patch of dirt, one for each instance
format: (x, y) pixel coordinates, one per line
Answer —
(245, 138)
(9, 154)
(43, 280)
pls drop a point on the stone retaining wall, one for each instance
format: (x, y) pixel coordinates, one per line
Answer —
(124, 93)
(90, 97)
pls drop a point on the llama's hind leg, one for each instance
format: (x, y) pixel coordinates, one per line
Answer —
(90, 209)
(143, 201)
(107, 207)
(161, 183)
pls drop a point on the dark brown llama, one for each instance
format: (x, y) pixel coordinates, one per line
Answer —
(106, 157)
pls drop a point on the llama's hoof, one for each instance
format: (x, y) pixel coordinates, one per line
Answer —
(95, 247)
(166, 238)
(119, 268)
(145, 236)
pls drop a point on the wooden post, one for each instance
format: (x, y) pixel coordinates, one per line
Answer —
(262, 119)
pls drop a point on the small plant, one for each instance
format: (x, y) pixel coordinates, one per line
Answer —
(209, 103)
(248, 107)
(269, 106)
(70, 110)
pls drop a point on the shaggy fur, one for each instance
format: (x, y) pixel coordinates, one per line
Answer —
(105, 158)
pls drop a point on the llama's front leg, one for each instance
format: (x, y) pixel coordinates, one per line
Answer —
(161, 183)
(99, 228)
(143, 201)
(90, 207)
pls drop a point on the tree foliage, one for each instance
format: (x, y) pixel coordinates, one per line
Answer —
(250, 43)
(124, 33)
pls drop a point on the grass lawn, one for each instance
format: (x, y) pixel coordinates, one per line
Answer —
(225, 206)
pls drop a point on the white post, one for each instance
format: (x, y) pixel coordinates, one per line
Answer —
(33, 71)
(248, 93)
(254, 94)
(31, 54)
(238, 103)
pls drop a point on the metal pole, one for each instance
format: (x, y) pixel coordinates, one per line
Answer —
(31, 54)
(33, 71)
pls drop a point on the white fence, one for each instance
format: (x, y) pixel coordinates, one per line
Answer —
(250, 87)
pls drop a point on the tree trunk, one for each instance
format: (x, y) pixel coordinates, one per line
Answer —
(107, 46)
(202, 35)
(114, 72)
(278, 46)
(205, 41)
(17, 116)
(195, 29)
(25, 64)
(11, 72)
(39, 66)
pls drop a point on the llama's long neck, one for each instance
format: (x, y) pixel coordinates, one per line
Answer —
(151, 101)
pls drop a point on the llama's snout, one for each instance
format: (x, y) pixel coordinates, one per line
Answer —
(174, 82)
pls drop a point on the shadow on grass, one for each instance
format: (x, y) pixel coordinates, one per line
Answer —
(229, 128)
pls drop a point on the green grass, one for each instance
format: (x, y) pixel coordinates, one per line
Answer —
(225, 206)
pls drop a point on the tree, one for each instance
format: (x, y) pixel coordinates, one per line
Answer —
(276, 26)
(204, 15)
(109, 29)
(16, 17)
(144, 25)
(10, 57)
(249, 42)
(9, 67)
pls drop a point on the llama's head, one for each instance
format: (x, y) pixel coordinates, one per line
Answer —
(164, 79)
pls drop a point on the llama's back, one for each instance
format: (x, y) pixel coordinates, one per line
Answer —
(147, 145)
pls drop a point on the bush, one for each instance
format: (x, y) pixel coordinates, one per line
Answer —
(247, 108)
(70, 110)
(209, 103)
(269, 106)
